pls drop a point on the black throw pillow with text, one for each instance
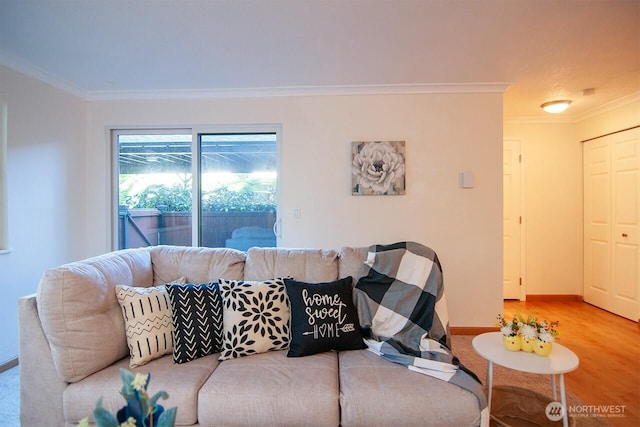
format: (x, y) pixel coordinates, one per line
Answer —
(323, 317)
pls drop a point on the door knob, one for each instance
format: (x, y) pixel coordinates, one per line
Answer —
(624, 234)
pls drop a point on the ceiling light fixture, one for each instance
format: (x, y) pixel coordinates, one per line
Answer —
(555, 107)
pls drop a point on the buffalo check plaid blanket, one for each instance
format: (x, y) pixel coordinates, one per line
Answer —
(402, 308)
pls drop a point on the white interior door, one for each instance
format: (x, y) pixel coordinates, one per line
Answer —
(625, 164)
(597, 222)
(612, 223)
(512, 220)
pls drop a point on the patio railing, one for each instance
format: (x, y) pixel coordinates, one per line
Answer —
(150, 227)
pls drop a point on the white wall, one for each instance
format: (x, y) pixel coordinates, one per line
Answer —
(552, 220)
(45, 153)
(444, 133)
(59, 183)
(59, 180)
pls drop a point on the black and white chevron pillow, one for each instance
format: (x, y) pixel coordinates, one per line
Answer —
(197, 320)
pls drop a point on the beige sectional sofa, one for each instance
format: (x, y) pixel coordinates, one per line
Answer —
(72, 343)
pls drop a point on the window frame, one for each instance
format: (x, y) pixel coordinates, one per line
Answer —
(4, 188)
(196, 168)
(115, 168)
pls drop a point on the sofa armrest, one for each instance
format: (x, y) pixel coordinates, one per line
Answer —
(40, 387)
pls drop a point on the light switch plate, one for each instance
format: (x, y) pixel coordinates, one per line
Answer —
(467, 179)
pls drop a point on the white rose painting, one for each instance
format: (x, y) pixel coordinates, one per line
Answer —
(377, 168)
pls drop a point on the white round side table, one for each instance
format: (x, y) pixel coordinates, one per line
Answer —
(560, 361)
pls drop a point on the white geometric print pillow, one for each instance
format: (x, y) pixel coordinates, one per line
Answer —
(256, 317)
(147, 317)
(197, 320)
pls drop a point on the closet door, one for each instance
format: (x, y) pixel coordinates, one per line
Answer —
(597, 222)
(625, 216)
(612, 223)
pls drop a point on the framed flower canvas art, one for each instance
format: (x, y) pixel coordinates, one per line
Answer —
(377, 168)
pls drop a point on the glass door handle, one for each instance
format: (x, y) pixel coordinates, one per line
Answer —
(276, 228)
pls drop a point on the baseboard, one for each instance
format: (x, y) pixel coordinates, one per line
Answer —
(471, 330)
(554, 297)
(11, 363)
(476, 330)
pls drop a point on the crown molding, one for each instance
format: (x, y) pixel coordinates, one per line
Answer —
(540, 119)
(610, 106)
(260, 92)
(30, 70)
(575, 118)
(11, 61)
(24, 67)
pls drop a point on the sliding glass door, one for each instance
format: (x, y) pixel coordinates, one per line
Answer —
(237, 189)
(232, 188)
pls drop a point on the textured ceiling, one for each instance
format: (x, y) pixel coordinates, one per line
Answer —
(540, 49)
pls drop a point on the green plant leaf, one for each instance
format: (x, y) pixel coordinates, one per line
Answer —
(102, 417)
(167, 418)
(155, 397)
(245, 195)
(127, 380)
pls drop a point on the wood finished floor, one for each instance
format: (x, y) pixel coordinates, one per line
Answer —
(609, 350)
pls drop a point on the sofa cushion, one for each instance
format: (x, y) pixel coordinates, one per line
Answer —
(421, 400)
(198, 265)
(272, 389)
(181, 384)
(148, 322)
(308, 265)
(351, 260)
(80, 314)
(197, 320)
(256, 317)
(323, 317)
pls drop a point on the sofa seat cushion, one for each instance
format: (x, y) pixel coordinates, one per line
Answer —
(181, 383)
(374, 391)
(306, 265)
(271, 389)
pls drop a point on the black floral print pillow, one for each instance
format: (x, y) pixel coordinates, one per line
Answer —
(256, 317)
